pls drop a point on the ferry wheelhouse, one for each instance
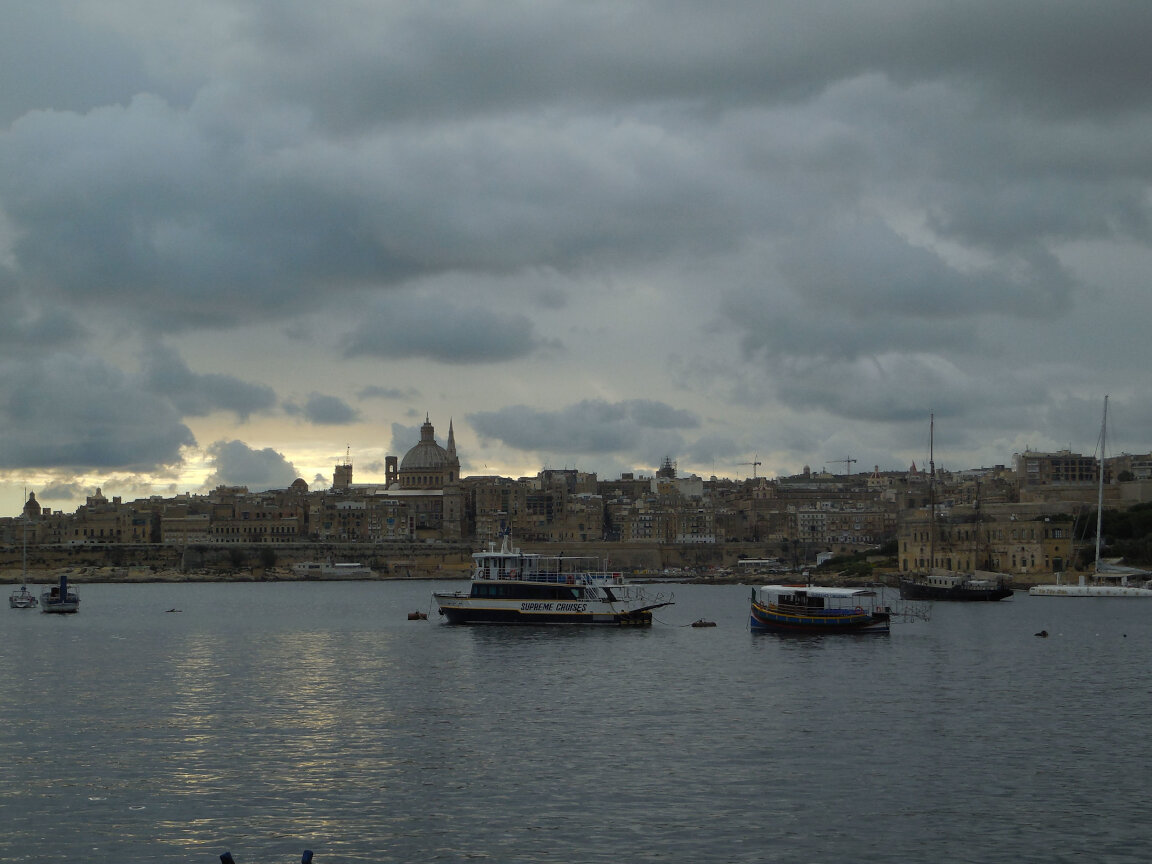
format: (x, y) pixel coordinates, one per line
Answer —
(509, 586)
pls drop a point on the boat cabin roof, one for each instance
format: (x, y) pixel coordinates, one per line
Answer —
(818, 590)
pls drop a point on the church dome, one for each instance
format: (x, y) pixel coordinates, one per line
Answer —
(427, 455)
(428, 465)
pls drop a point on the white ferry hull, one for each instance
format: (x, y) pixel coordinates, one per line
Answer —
(513, 587)
(463, 609)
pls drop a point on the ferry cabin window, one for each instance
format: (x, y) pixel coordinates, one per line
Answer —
(527, 592)
(802, 600)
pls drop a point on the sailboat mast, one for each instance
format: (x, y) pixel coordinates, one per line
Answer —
(24, 559)
(1100, 493)
(931, 493)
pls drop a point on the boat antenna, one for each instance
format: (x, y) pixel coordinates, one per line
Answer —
(1100, 493)
(931, 493)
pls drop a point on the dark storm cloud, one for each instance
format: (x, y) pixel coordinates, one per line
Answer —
(881, 205)
(877, 274)
(438, 328)
(403, 439)
(68, 411)
(60, 491)
(196, 395)
(588, 427)
(49, 57)
(324, 410)
(462, 58)
(464, 138)
(400, 393)
(234, 463)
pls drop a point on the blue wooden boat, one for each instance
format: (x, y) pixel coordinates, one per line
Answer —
(817, 609)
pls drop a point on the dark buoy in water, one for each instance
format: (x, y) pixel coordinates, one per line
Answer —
(700, 622)
(417, 616)
(1043, 634)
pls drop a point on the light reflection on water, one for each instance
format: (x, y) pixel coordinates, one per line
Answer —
(267, 718)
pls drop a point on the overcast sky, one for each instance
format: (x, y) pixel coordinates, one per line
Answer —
(240, 240)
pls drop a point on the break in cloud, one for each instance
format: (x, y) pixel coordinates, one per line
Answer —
(805, 227)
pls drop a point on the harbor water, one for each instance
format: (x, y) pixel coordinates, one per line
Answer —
(269, 718)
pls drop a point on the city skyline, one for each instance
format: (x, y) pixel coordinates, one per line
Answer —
(239, 241)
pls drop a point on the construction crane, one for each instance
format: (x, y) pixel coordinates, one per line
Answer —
(847, 464)
(754, 463)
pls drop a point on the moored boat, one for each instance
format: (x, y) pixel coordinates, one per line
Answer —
(942, 583)
(22, 598)
(60, 599)
(509, 586)
(817, 609)
(332, 570)
(950, 585)
(1109, 579)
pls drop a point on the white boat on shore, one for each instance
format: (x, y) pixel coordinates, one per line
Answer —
(332, 570)
(513, 587)
(1109, 579)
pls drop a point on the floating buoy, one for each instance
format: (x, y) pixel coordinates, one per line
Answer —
(1043, 634)
(700, 622)
(417, 616)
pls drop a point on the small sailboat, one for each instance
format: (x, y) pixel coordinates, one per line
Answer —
(1108, 580)
(22, 598)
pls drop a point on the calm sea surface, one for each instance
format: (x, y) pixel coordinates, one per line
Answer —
(269, 718)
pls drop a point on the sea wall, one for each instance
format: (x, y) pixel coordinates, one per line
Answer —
(152, 562)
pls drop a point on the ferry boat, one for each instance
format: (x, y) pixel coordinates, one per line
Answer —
(817, 609)
(509, 586)
(332, 570)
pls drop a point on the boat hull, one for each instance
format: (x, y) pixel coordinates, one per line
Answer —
(913, 590)
(60, 607)
(22, 600)
(460, 609)
(1088, 591)
(827, 621)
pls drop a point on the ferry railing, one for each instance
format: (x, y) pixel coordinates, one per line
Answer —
(825, 611)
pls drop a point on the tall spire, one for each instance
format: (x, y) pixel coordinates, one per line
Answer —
(451, 448)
